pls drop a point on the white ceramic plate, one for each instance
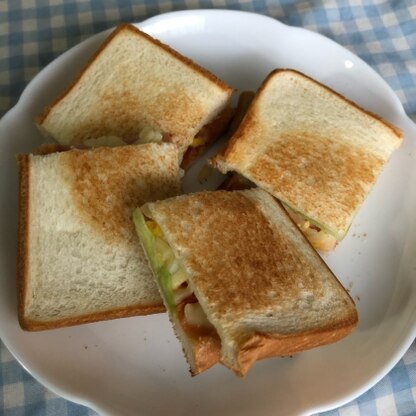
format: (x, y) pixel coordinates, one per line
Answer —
(135, 366)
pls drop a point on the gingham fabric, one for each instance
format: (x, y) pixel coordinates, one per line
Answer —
(382, 33)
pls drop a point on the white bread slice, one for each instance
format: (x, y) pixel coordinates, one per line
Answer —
(79, 257)
(134, 82)
(262, 286)
(311, 148)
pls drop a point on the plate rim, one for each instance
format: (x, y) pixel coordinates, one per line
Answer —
(93, 38)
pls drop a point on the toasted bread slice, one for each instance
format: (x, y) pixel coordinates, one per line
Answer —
(79, 257)
(241, 282)
(313, 149)
(136, 88)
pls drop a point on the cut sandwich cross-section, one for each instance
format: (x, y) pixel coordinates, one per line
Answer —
(138, 89)
(313, 149)
(239, 280)
(201, 342)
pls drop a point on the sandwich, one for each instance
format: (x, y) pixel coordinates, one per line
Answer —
(135, 89)
(311, 148)
(239, 280)
(79, 259)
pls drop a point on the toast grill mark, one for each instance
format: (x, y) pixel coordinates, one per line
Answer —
(262, 268)
(124, 114)
(107, 185)
(308, 169)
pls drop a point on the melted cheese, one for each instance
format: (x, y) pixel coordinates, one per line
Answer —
(320, 239)
(149, 134)
(198, 142)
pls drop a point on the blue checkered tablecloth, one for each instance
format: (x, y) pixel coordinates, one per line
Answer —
(381, 32)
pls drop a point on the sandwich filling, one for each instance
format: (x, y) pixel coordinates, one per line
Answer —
(317, 236)
(147, 135)
(207, 135)
(173, 279)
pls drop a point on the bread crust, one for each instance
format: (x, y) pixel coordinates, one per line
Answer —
(267, 345)
(23, 232)
(129, 27)
(34, 325)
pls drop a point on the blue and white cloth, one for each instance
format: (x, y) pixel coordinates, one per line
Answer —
(33, 33)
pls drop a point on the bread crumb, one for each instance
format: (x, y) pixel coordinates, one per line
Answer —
(362, 236)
